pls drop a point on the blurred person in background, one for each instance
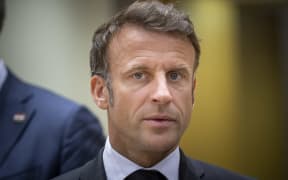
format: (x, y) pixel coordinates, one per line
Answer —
(42, 134)
(143, 64)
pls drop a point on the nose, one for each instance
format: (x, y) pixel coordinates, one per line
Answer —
(161, 94)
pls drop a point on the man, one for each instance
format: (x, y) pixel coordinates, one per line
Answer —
(42, 135)
(143, 64)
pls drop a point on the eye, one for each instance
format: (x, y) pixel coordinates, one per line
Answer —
(138, 75)
(174, 75)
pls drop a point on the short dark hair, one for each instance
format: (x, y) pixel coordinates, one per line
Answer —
(149, 14)
(2, 13)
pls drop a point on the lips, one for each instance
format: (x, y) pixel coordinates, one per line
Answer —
(159, 120)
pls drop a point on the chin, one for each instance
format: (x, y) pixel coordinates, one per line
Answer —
(162, 144)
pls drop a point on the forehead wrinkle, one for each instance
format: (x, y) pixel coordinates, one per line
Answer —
(131, 37)
(137, 34)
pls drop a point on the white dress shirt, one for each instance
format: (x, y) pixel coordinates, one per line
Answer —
(3, 73)
(118, 167)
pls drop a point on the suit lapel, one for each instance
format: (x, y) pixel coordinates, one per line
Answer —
(14, 115)
(189, 169)
(94, 170)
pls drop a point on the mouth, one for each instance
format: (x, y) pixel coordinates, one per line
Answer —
(159, 121)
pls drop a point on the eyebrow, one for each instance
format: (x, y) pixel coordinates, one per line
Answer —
(135, 67)
(143, 67)
(182, 67)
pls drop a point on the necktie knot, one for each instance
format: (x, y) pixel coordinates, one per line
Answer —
(143, 174)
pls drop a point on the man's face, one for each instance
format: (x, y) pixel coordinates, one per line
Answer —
(152, 84)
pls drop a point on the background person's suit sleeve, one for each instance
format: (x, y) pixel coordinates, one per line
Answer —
(82, 139)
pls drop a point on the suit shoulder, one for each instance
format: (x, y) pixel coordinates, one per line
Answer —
(75, 174)
(215, 172)
(56, 110)
(58, 105)
(71, 175)
(19, 90)
(41, 93)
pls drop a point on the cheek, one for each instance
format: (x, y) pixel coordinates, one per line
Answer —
(127, 102)
(128, 96)
(185, 103)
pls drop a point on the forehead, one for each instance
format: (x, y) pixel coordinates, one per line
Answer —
(135, 41)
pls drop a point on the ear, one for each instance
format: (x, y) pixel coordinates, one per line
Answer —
(193, 91)
(99, 91)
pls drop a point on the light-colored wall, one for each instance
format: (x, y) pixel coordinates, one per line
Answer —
(47, 43)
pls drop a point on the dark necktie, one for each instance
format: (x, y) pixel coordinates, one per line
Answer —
(142, 174)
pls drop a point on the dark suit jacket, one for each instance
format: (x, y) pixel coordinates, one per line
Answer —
(42, 134)
(189, 170)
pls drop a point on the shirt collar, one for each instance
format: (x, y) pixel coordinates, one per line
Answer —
(3, 73)
(118, 167)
